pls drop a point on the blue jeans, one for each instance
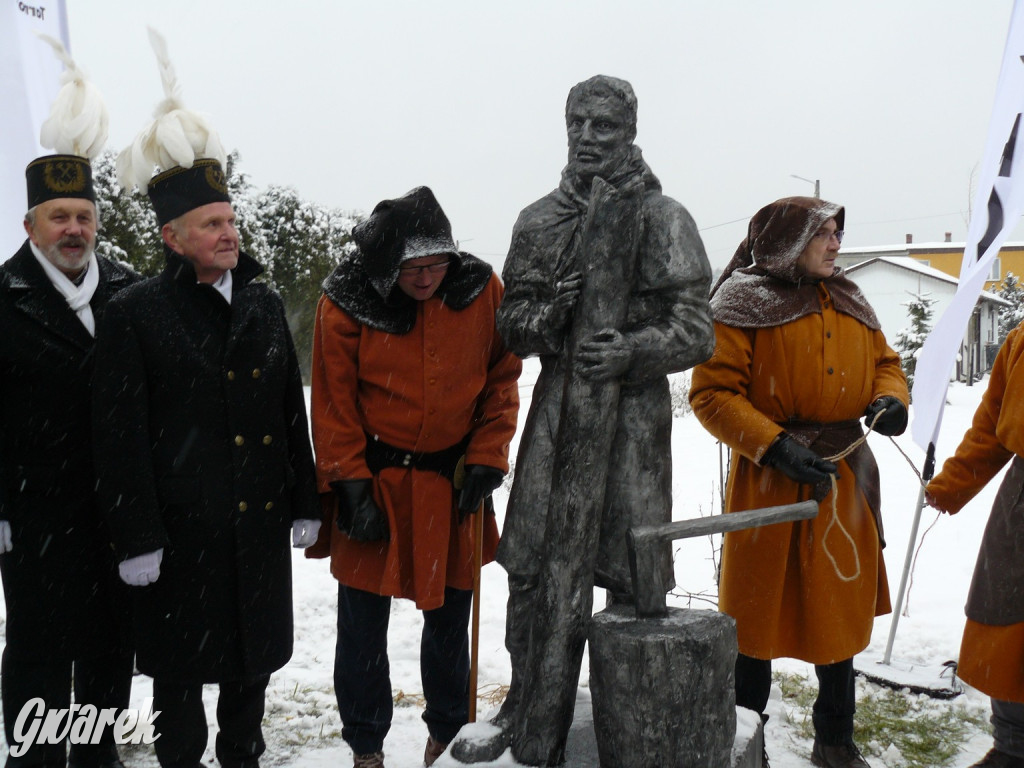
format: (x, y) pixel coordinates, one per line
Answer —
(362, 680)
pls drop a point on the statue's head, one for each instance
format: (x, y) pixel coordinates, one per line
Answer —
(600, 120)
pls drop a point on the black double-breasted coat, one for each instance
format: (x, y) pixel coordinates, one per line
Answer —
(203, 450)
(59, 576)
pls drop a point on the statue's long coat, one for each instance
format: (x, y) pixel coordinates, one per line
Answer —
(992, 651)
(669, 325)
(59, 578)
(203, 449)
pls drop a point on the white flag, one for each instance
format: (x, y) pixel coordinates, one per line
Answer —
(29, 81)
(998, 205)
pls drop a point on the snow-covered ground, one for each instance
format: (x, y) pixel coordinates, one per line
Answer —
(302, 726)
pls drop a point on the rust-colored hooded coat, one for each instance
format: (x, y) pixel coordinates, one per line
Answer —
(423, 390)
(820, 363)
(992, 650)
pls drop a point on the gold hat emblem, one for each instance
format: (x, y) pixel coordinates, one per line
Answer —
(215, 178)
(64, 176)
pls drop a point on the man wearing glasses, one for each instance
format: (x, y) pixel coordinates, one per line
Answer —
(413, 396)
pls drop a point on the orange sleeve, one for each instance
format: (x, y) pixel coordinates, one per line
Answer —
(494, 423)
(338, 437)
(719, 395)
(980, 454)
(889, 376)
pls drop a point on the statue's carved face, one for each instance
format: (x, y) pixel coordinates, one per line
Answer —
(600, 136)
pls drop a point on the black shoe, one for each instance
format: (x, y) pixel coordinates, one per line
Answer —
(837, 755)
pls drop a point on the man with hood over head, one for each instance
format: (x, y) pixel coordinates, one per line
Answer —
(414, 403)
(799, 359)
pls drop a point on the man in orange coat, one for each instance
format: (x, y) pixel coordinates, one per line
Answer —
(412, 388)
(992, 650)
(799, 359)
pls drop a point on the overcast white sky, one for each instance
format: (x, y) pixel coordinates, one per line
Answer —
(887, 102)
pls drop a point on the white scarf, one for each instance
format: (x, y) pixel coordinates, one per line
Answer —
(223, 285)
(78, 296)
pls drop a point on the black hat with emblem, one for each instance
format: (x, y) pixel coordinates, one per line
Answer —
(54, 176)
(181, 143)
(178, 190)
(75, 131)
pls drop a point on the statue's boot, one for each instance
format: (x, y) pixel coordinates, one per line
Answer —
(488, 743)
(486, 747)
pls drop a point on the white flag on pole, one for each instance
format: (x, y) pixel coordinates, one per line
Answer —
(998, 205)
(29, 81)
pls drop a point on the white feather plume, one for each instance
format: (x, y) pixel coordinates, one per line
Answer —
(177, 136)
(78, 119)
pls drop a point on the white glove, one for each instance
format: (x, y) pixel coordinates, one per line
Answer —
(5, 537)
(142, 570)
(304, 533)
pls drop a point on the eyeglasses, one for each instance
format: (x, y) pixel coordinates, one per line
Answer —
(823, 235)
(434, 269)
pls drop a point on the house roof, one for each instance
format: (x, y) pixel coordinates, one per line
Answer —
(910, 264)
(906, 249)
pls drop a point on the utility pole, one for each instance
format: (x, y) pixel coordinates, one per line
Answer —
(816, 183)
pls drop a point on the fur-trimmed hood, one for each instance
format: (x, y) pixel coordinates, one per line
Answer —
(353, 290)
(762, 286)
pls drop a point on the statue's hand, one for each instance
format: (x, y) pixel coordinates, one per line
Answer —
(607, 355)
(567, 292)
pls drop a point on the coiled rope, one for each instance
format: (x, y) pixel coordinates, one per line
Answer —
(835, 521)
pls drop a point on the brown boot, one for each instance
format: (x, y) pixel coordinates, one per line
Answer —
(372, 760)
(837, 755)
(433, 751)
(997, 759)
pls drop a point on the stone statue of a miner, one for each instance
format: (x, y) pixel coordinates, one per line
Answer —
(663, 325)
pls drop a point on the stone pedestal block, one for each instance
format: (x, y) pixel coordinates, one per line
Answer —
(663, 688)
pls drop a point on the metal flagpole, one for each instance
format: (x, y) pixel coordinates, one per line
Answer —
(926, 475)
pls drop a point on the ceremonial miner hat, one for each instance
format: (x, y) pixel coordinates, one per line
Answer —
(408, 227)
(181, 146)
(54, 176)
(76, 130)
(178, 190)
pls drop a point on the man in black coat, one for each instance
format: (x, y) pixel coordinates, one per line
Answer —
(64, 602)
(204, 466)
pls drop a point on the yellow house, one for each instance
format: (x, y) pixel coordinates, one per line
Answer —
(944, 256)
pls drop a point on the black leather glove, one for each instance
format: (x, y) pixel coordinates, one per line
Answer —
(479, 483)
(797, 461)
(893, 420)
(359, 517)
